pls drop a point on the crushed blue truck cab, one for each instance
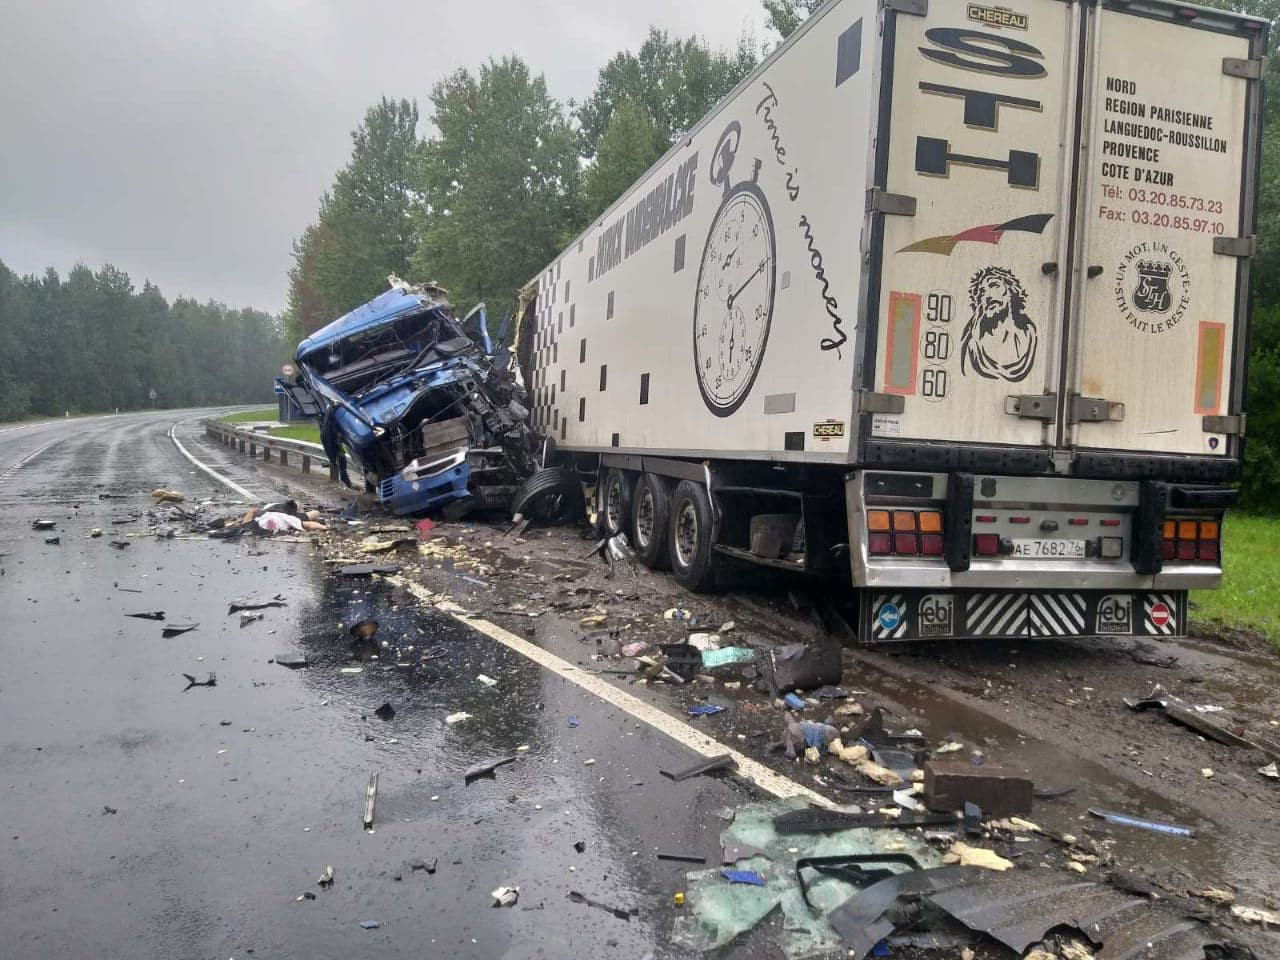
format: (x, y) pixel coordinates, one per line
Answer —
(427, 411)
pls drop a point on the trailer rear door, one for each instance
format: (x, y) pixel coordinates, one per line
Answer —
(978, 107)
(1163, 282)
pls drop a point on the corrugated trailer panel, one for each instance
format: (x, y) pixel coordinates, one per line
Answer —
(712, 310)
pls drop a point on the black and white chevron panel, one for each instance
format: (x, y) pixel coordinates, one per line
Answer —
(996, 615)
(1057, 614)
(1161, 615)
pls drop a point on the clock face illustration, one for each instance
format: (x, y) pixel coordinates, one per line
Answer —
(733, 305)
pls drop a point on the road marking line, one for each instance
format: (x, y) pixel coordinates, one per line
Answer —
(209, 470)
(27, 459)
(752, 770)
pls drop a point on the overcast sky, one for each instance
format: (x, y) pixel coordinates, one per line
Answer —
(189, 142)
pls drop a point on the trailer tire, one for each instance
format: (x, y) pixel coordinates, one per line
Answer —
(551, 495)
(616, 496)
(650, 518)
(689, 537)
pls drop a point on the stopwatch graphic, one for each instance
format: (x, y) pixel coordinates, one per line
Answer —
(733, 305)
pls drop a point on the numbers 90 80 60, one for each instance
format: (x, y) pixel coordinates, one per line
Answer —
(936, 345)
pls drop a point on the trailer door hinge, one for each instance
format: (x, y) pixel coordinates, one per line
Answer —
(897, 204)
(1242, 67)
(1032, 406)
(917, 8)
(871, 402)
(1094, 410)
(1229, 424)
(1235, 246)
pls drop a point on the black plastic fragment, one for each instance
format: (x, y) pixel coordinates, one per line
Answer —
(723, 762)
(486, 769)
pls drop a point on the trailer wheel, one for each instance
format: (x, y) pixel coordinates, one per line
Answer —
(689, 533)
(650, 517)
(616, 496)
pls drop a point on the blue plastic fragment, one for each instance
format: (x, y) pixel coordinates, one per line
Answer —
(574, 721)
(744, 876)
(881, 949)
(794, 702)
(815, 734)
(702, 710)
(370, 924)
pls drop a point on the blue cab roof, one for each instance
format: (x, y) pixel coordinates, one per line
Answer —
(380, 311)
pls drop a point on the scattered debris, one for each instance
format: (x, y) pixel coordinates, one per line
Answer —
(385, 712)
(618, 912)
(111, 810)
(363, 630)
(724, 761)
(486, 680)
(1256, 915)
(420, 865)
(160, 495)
(802, 666)
(967, 856)
(293, 661)
(1154, 825)
(457, 717)
(505, 896)
(744, 876)
(682, 857)
(211, 681)
(1270, 770)
(741, 851)
(580, 846)
(949, 784)
(326, 878)
(370, 924)
(704, 709)
(177, 629)
(254, 603)
(53, 541)
(1159, 699)
(43, 524)
(486, 769)
(119, 544)
(152, 615)
(727, 655)
(593, 620)
(574, 721)
(367, 569)
(370, 799)
(95, 533)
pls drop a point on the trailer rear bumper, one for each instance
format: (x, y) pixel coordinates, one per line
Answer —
(1016, 614)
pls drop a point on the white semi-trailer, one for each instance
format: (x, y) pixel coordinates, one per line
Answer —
(947, 298)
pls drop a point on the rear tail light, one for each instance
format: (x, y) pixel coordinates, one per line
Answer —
(986, 544)
(1019, 519)
(1187, 540)
(904, 533)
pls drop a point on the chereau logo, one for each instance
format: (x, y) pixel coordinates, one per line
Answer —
(936, 617)
(997, 17)
(1115, 613)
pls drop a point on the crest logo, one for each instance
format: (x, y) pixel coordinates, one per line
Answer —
(1152, 287)
(1151, 292)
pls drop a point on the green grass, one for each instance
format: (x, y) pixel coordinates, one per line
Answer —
(261, 413)
(299, 431)
(1250, 594)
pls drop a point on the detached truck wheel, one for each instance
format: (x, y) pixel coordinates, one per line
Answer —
(650, 518)
(615, 501)
(552, 495)
(689, 535)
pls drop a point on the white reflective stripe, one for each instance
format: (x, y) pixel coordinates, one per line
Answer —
(752, 770)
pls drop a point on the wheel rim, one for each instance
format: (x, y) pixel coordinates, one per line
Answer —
(686, 533)
(644, 519)
(613, 506)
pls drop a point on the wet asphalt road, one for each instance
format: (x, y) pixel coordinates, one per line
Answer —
(231, 800)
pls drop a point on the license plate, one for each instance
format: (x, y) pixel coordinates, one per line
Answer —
(1053, 549)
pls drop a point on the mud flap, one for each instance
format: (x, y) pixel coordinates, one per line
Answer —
(921, 614)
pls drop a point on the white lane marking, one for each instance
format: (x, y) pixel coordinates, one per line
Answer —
(209, 470)
(752, 770)
(27, 459)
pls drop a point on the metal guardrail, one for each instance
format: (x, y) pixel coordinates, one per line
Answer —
(254, 444)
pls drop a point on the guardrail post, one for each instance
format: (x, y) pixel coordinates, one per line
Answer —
(284, 458)
(306, 464)
(266, 454)
(242, 446)
(253, 451)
